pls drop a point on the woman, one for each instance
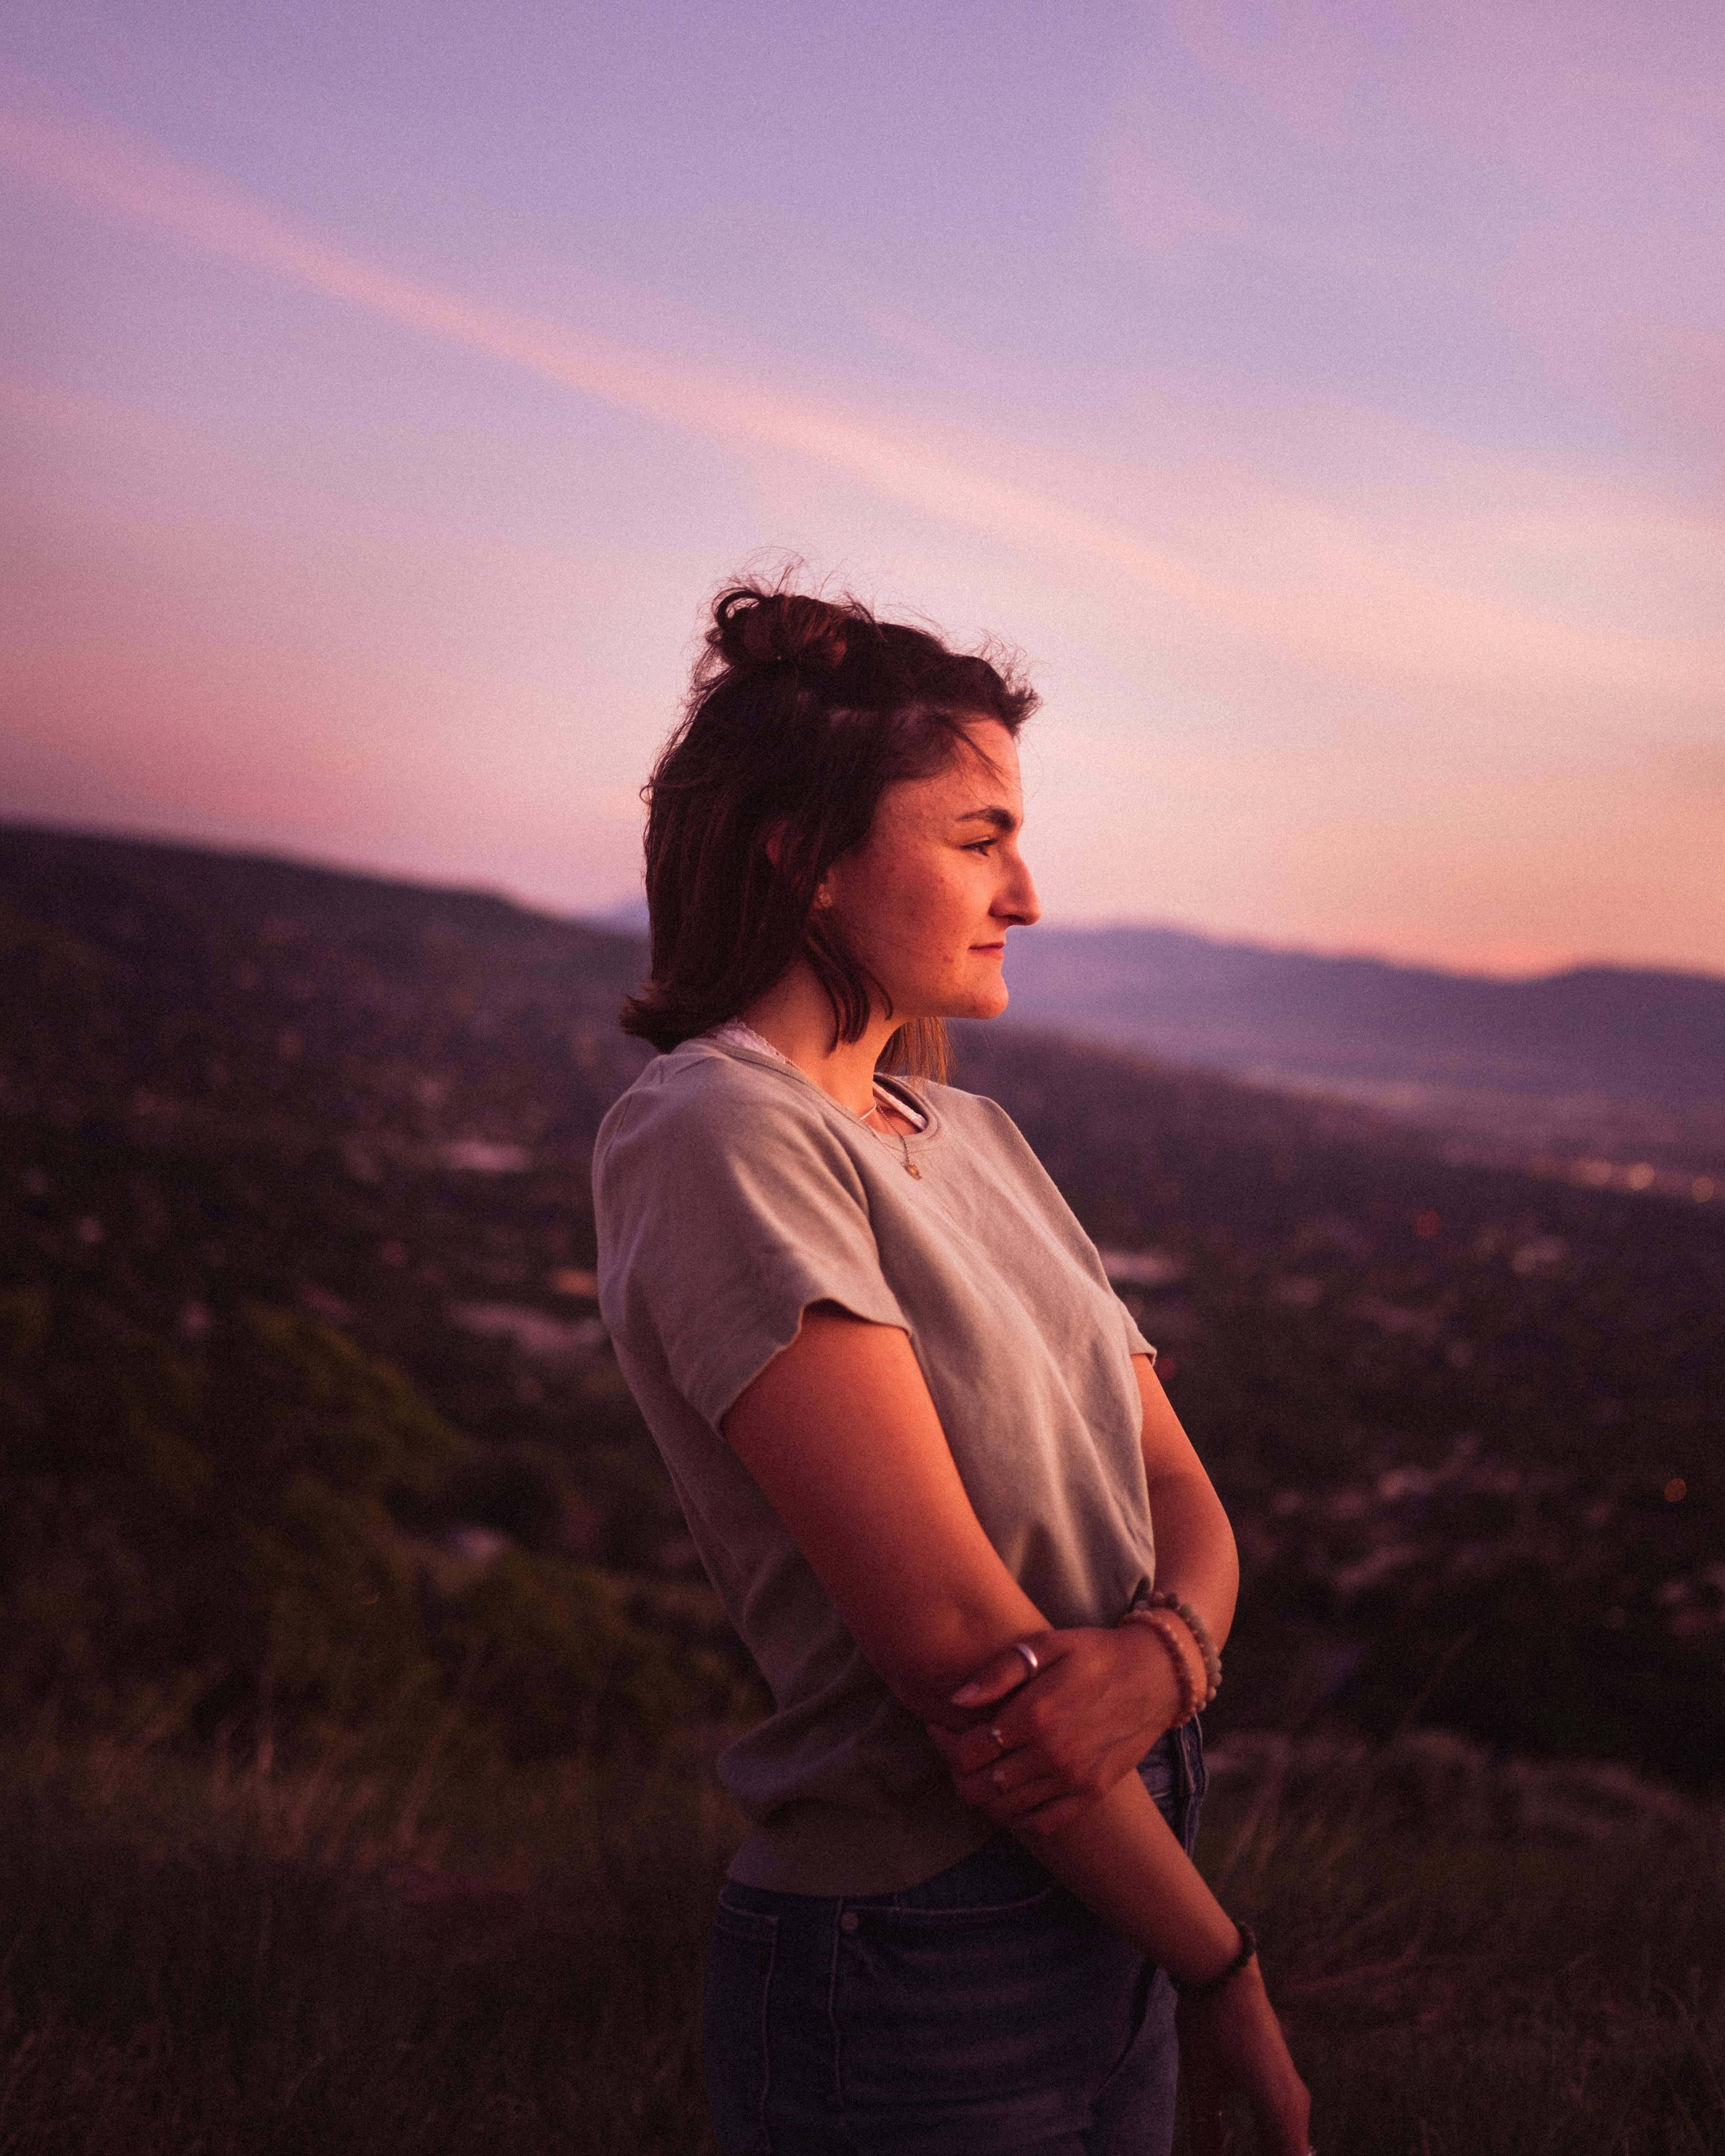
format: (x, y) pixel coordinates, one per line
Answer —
(921, 1449)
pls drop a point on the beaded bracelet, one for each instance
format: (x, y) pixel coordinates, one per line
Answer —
(1200, 1632)
(1164, 1631)
(1211, 1985)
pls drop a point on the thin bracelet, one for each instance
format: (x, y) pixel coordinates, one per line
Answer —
(1200, 1632)
(1212, 1985)
(1191, 1705)
(1164, 1631)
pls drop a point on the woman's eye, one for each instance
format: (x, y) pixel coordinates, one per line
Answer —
(982, 846)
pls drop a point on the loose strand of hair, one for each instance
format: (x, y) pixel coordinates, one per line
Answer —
(921, 1050)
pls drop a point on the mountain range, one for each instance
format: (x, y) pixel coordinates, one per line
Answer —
(1613, 1072)
(1625, 1034)
(1617, 1033)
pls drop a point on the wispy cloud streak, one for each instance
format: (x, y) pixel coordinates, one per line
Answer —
(1357, 609)
(125, 180)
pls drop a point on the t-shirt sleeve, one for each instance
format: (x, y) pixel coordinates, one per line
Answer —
(1135, 1343)
(721, 1221)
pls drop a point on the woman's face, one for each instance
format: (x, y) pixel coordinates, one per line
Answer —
(926, 901)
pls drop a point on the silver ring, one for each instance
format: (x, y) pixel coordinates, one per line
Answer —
(999, 1739)
(1023, 1647)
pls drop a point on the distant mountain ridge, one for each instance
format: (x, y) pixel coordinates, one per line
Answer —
(1625, 1034)
(1629, 1036)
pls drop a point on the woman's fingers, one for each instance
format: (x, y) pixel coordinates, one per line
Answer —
(969, 1751)
(1001, 1675)
(1208, 2116)
(1016, 1783)
(1013, 1792)
(1233, 2040)
(1006, 1786)
(1096, 1703)
(1049, 1817)
(1207, 2082)
(948, 1744)
(1003, 1801)
(987, 1762)
(973, 1752)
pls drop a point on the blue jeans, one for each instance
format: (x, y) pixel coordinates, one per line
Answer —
(982, 2012)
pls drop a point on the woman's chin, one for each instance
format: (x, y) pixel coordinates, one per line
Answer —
(985, 999)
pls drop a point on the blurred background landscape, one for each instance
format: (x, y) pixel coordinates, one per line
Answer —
(1325, 400)
(314, 1411)
(334, 1549)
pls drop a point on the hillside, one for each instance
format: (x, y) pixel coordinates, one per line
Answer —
(1601, 1062)
(270, 1135)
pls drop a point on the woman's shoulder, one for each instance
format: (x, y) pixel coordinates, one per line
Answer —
(974, 1115)
(710, 1157)
(954, 1100)
(701, 1097)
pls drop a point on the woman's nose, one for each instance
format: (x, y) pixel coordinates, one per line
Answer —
(1019, 900)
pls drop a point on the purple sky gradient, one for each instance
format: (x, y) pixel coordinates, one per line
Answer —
(1330, 400)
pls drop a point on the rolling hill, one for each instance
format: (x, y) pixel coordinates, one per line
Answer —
(1612, 1066)
(270, 1133)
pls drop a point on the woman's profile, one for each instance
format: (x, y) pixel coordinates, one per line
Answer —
(922, 1449)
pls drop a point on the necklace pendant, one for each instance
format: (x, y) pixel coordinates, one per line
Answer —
(911, 1168)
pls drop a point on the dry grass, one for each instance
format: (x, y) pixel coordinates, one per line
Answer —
(198, 1958)
(1483, 1959)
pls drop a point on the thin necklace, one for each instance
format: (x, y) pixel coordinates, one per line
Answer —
(887, 1137)
(744, 1036)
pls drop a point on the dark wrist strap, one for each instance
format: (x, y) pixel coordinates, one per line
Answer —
(1212, 1985)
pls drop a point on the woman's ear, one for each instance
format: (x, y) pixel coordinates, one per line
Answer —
(772, 845)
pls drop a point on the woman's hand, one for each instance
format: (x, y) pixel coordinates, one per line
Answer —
(1099, 1702)
(1233, 2040)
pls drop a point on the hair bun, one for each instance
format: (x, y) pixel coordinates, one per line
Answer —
(752, 628)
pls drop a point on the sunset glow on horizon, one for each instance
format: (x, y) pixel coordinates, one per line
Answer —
(1327, 400)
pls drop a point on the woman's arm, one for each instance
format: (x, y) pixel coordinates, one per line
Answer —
(1195, 1555)
(841, 1434)
(1106, 1696)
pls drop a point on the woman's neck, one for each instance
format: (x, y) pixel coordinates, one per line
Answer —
(795, 1017)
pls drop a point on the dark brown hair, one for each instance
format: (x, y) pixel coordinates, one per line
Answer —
(803, 710)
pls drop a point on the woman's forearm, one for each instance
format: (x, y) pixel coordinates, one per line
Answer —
(1195, 1553)
(1120, 1857)
(1050, 1747)
(1196, 1557)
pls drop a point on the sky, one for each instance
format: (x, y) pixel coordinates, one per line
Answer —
(1328, 401)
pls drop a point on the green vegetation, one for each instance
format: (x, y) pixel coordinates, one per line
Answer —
(214, 1541)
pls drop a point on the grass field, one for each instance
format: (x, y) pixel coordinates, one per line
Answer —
(307, 1425)
(199, 1956)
